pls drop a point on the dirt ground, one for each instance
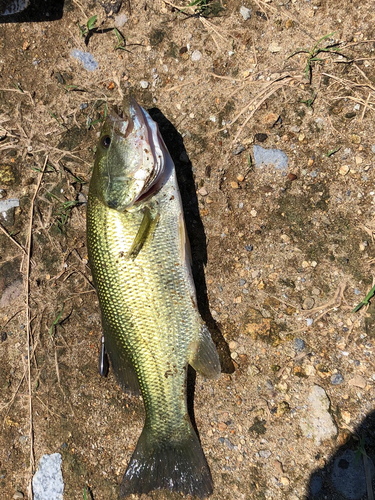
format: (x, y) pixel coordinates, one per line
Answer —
(281, 257)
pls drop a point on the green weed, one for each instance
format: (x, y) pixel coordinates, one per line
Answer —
(88, 29)
(64, 211)
(332, 152)
(121, 42)
(56, 322)
(312, 55)
(365, 301)
(205, 8)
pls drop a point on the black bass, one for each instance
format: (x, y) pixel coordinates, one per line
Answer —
(140, 260)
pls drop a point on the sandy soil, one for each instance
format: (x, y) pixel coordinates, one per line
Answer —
(281, 256)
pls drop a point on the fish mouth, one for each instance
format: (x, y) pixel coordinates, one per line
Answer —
(133, 123)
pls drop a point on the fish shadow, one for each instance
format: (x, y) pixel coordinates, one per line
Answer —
(343, 477)
(198, 243)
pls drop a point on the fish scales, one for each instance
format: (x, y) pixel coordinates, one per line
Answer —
(144, 296)
(139, 256)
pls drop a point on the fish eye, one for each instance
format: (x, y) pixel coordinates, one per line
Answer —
(106, 141)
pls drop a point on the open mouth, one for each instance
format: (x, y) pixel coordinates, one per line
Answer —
(153, 150)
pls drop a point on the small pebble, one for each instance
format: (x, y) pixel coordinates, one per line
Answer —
(242, 282)
(120, 20)
(203, 191)
(265, 453)
(299, 345)
(249, 248)
(260, 137)
(245, 12)
(240, 178)
(295, 129)
(232, 345)
(284, 481)
(344, 169)
(274, 47)
(240, 148)
(18, 495)
(292, 177)
(315, 291)
(234, 185)
(253, 212)
(358, 381)
(355, 139)
(222, 426)
(144, 84)
(196, 56)
(309, 321)
(337, 379)
(308, 303)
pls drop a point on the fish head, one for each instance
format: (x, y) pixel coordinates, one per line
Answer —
(130, 158)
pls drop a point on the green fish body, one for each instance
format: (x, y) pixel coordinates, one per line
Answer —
(140, 260)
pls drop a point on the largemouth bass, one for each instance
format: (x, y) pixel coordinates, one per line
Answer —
(140, 260)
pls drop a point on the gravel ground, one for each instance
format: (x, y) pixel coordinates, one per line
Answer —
(267, 108)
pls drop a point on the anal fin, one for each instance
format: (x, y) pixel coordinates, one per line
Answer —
(204, 358)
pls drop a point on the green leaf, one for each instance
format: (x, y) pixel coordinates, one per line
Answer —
(91, 22)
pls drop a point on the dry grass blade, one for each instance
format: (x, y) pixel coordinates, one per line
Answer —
(349, 83)
(11, 237)
(19, 91)
(28, 332)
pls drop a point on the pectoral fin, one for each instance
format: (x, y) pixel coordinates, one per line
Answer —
(204, 358)
(146, 229)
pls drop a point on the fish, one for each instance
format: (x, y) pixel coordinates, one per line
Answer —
(140, 259)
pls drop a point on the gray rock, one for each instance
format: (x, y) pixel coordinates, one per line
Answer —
(121, 20)
(245, 12)
(299, 345)
(48, 482)
(270, 158)
(196, 56)
(265, 453)
(85, 58)
(7, 208)
(337, 379)
(238, 149)
(318, 424)
(348, 475)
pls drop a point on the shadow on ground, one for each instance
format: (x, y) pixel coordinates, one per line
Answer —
(37, 11)
(350, 472)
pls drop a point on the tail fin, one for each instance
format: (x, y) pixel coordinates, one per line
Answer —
(172, 465)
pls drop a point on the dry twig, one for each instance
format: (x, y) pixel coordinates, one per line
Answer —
(28, 331)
